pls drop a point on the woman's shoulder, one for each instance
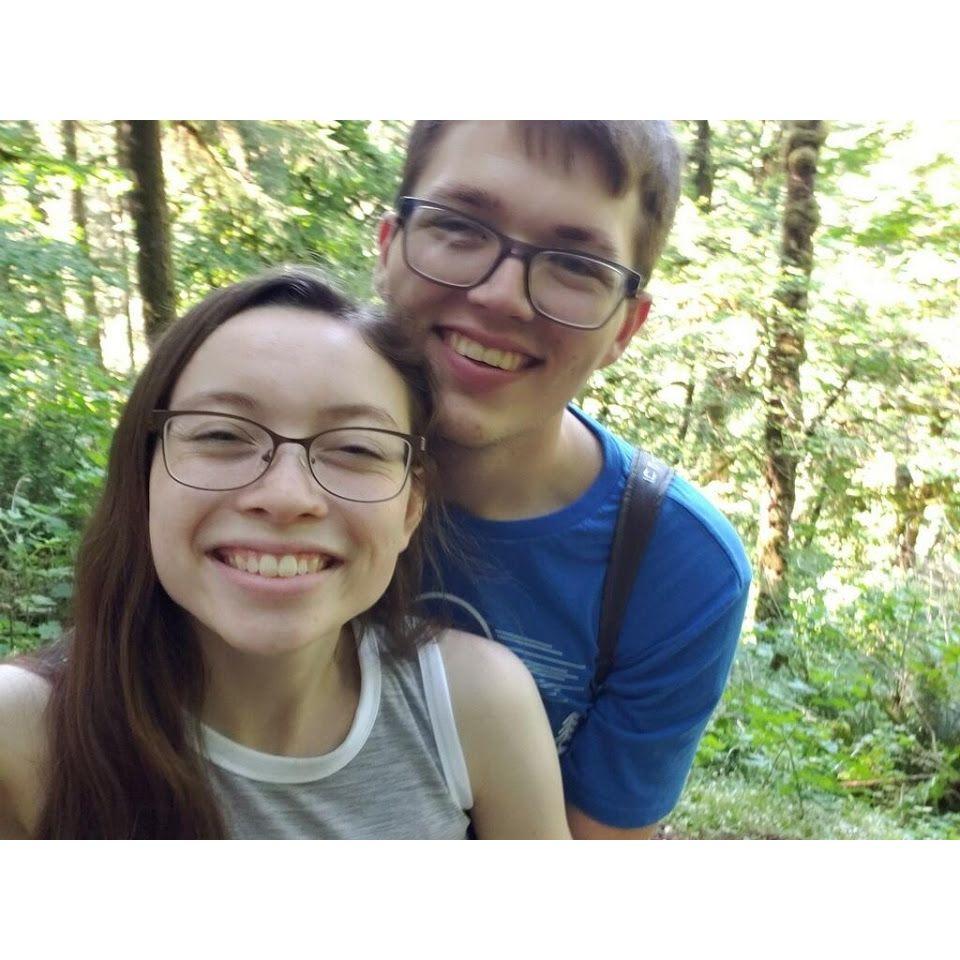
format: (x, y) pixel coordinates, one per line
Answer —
(23, 699)
(491, 690)
(507, 744)
(483, 673)
(23, 746)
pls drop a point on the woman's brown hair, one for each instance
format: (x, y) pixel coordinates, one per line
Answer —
(127, 680)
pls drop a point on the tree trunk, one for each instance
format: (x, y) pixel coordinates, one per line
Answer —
(910, 509)
(703, 166)
(91, 315)
(148, 207)
(783, 434)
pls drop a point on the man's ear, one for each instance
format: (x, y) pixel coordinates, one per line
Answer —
(637, 314)
(385, 234)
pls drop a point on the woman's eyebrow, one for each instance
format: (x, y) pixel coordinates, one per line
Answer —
(227, 398)
(345, 411)
(243, 401)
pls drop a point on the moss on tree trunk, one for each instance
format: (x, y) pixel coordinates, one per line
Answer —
(785, 353)
(148, 205)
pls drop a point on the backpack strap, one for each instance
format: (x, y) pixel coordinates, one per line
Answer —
(639, 507)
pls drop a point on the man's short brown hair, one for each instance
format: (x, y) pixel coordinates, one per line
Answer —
(633, 154)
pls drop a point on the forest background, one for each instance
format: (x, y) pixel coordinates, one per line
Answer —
(801, 368)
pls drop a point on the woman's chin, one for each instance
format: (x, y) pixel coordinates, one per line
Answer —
(275, 641)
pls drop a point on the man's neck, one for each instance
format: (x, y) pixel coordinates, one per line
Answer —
(526, 476)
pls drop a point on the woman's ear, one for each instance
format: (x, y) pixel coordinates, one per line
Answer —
(416, 505)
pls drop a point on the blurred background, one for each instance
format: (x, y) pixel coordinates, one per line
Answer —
(801, 365)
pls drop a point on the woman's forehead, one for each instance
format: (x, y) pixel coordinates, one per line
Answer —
(292, 357)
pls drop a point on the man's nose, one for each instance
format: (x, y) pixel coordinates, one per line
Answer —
(505, 290)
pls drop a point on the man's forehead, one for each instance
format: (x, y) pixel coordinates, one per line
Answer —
(543, 143)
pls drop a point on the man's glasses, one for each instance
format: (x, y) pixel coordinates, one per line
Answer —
(219, 451)
(575, 289)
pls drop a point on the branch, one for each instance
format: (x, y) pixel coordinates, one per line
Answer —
(886, 781)
(196, 135)
(834, 397)
(742, 376)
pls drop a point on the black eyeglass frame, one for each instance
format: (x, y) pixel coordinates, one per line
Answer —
(634, 282)
(159, 418)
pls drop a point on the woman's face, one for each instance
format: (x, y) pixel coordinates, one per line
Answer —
(297, 372)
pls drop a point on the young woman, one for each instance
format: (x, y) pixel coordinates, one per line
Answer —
(242, 661)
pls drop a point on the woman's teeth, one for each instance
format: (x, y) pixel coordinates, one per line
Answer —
(273, 565)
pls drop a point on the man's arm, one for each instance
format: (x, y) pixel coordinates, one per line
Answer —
(583, 827)
(626, 765)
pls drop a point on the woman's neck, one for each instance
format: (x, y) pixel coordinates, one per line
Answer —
(300, 703)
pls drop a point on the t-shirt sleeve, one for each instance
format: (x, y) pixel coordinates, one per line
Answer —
(628, 762)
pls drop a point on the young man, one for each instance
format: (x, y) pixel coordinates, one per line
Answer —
(522, 250)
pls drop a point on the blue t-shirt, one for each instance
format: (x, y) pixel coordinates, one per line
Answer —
(536, 585)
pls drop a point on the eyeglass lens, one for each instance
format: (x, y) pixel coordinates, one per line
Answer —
(212, 452)
(456, 250)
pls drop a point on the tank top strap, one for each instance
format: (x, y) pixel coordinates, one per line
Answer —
(440, 710)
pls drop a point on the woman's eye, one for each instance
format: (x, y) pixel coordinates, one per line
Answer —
(220, 435)
(355, 451)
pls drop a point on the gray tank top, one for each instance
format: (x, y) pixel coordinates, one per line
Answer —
(399, 774)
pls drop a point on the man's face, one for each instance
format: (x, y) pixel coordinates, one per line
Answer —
(483, 170)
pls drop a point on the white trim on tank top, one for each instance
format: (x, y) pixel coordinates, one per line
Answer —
(444, 724)
(270, 768)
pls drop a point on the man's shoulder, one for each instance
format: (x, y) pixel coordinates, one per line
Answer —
(688, 519)
(691, 521)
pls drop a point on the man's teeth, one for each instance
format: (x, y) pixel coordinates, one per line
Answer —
(504, 359)
(271, 565)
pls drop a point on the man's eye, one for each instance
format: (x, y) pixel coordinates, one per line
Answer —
(582, 270)
(458, 227)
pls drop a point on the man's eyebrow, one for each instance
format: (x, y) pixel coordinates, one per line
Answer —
(480, 201)
(598, 243)
(464, 194)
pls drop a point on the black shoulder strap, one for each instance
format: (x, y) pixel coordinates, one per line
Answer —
(646, 485)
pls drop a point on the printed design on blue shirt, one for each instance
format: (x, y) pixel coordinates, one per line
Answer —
(476, 616)
(560, 680)
(567, 729)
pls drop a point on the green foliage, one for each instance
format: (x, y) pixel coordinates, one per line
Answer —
(260, 193)
(858, 705)
(36, 576)
(845, 721)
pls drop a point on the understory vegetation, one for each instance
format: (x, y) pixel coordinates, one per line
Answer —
(842, 717)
